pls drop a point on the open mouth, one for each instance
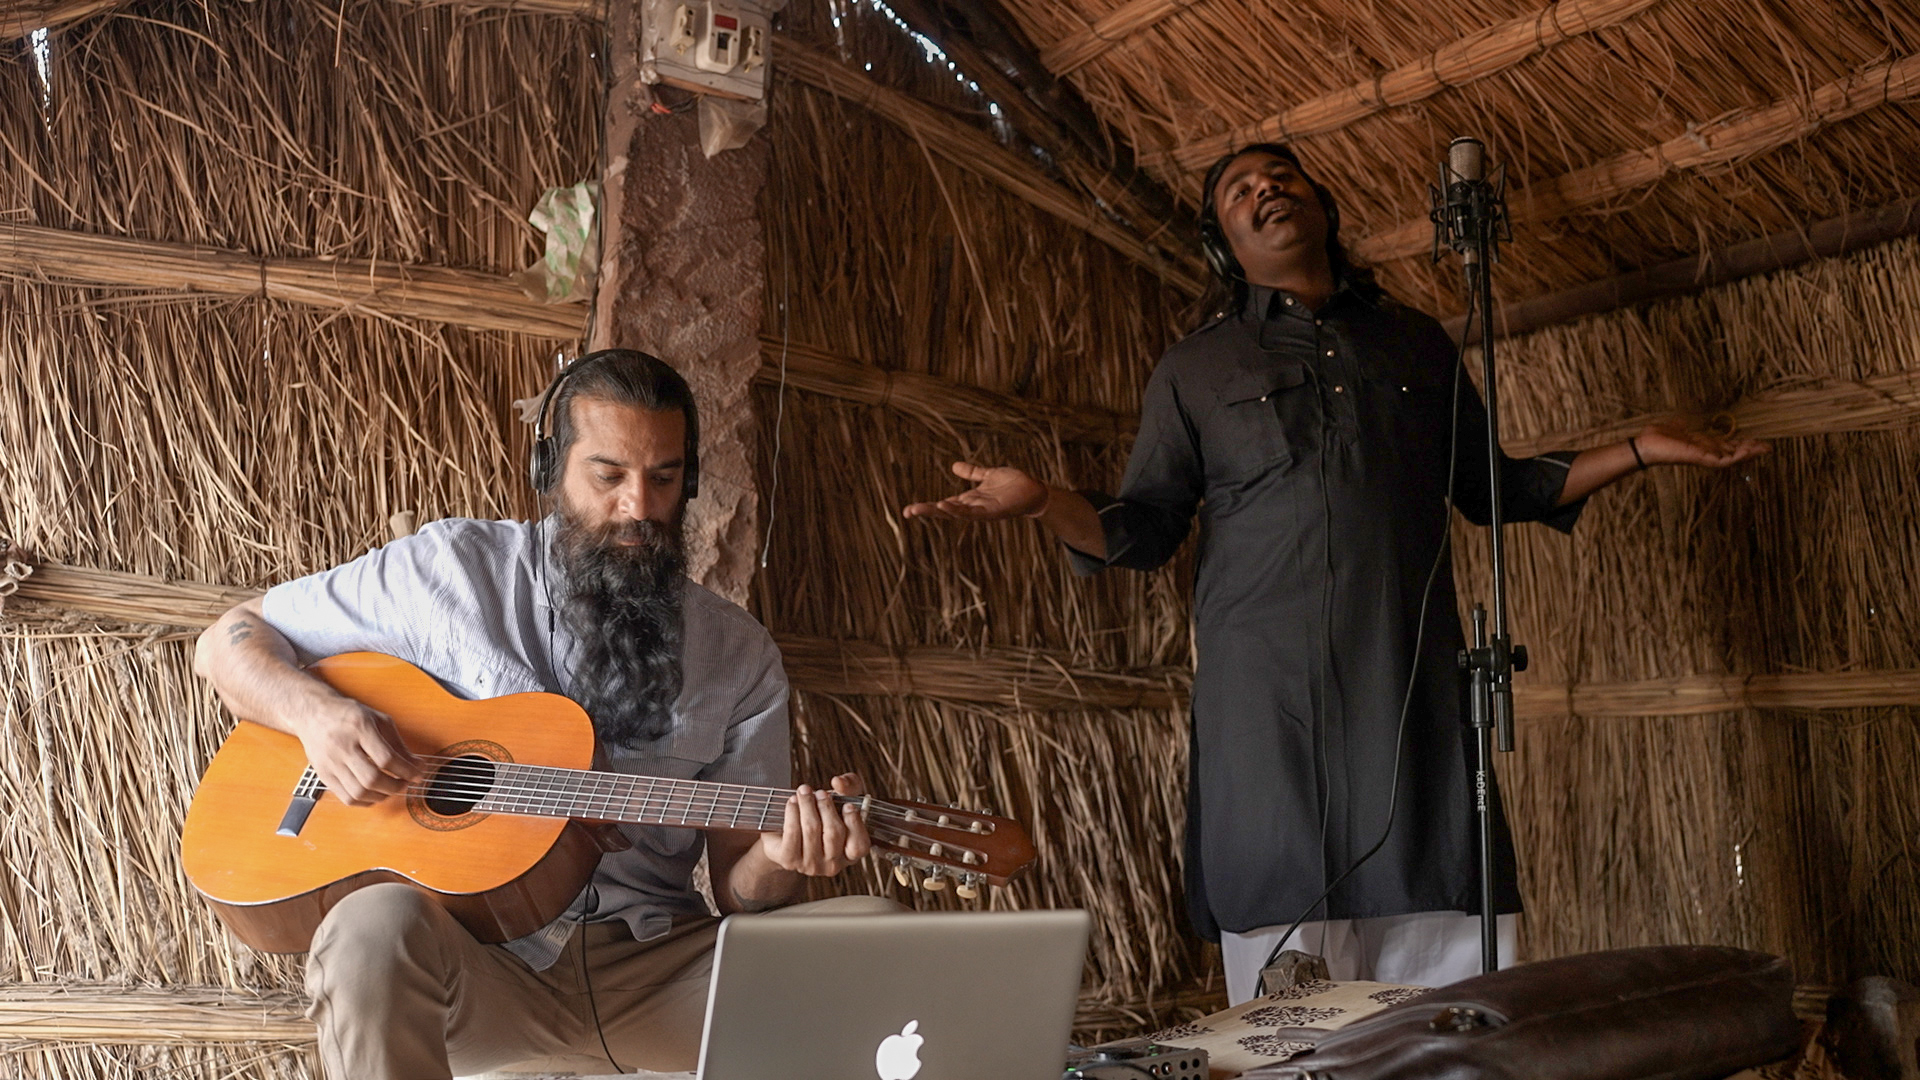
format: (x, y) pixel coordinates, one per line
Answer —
(1280, 208)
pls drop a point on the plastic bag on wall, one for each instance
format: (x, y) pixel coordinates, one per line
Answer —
(726, 124)
(566, 272)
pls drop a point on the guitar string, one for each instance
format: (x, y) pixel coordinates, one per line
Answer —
(706, 807)
(527, 781)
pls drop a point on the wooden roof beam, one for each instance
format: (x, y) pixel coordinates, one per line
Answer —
(1470, 59)
(1742, 134)
(1029, 678)
(1049, 111)
(21, 21)
(1076, 51)
(1822, 240)
(975, 151)
(481, 301)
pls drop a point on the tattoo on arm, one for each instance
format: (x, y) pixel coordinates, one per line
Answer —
(240, 631)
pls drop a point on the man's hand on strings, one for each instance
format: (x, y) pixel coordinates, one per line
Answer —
(818, 838)
(356, 751)
(998, 493)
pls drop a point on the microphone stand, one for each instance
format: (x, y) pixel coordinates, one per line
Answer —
(1470, 216)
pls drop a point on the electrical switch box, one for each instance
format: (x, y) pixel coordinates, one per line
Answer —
(709, 46)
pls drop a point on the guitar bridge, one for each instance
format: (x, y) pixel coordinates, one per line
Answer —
(305, 794)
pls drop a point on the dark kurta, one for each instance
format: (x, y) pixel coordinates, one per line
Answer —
(1313, 447)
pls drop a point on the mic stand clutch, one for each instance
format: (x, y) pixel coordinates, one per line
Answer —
(1470, 216)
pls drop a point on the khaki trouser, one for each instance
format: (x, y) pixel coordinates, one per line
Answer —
(402, 992)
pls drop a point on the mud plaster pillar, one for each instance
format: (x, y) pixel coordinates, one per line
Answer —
(681, 272)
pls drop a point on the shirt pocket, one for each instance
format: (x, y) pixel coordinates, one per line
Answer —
(1265, 421)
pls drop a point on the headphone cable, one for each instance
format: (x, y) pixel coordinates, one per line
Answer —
(1419, 639)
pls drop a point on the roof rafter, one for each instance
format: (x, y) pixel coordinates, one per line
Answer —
(20, 22)
(1033, 678)
(977, 152)
(1470, 59)
(483, 301)
(1076, 51)
(1741, 134)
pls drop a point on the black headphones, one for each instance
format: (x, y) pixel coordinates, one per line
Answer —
(544, 464)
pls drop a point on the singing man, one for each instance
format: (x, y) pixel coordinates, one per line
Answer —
(593, 602)
(1317, 428)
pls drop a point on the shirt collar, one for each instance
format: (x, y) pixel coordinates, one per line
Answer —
(1265, 303)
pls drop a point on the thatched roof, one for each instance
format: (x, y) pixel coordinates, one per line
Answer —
(1634, 131)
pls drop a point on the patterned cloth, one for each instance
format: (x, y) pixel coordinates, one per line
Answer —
(1267, 1029)
(1274, 1027)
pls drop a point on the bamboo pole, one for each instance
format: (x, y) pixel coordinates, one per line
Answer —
(1035, 679)
(482, 301)
(442, 294)
(1027, 678)
(1078, 50)
(975, 151)
(1470, 59)
(485, 302)
(1826, 239)
(1695, 695)
(1828, 407)
(1741, 134)
(142, 1016)
(21, 21)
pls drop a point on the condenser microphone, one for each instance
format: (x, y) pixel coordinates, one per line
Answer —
(1469, 210)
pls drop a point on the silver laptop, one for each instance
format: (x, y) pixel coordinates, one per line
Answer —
(949, 996)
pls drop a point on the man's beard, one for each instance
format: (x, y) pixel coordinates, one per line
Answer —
(623, 604)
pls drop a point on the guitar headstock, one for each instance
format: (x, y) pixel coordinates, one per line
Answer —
(942, 842)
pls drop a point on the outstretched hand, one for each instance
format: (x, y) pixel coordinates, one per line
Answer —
(998, 493)
(1672, 444)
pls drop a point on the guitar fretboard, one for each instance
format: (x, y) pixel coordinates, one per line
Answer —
(639, 800)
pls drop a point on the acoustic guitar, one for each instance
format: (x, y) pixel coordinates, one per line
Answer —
(505, 829)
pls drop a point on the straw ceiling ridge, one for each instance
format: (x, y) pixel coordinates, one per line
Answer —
(1779, 95)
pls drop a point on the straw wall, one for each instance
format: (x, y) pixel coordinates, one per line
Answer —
(235, 440)
(1789, 831)
(882, 250)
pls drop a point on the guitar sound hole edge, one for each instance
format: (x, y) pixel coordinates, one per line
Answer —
(459, 785)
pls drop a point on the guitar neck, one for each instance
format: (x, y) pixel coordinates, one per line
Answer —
(540, 791)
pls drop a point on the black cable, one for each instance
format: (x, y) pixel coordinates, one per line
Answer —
(586, 976)
(1426, 596)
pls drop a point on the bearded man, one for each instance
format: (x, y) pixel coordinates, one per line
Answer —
(1323, 435)
(593, 603)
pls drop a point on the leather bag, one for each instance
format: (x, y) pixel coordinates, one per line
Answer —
(1671, 1012)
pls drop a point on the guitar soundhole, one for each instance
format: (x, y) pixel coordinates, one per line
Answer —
(460, 784)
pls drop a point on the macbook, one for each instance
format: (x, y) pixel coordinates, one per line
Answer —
(947, 996)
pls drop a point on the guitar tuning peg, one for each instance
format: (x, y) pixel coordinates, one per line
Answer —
(934, 882)
(967, 890)
(900, 872)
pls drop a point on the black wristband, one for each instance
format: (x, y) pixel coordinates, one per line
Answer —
(1634, 445)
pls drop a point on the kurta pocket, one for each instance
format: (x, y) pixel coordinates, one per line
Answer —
(1266, 421)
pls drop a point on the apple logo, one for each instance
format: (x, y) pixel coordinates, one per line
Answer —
(899, 1055)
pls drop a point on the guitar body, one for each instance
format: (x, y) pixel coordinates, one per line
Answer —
(501, 875)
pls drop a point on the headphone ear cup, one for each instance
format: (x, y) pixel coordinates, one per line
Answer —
(540, 465)
(1219, 256)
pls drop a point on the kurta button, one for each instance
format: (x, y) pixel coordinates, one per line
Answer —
(1339, 389)
(1289, 300)
(1403, 389)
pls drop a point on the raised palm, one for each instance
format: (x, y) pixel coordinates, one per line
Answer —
(998, 493)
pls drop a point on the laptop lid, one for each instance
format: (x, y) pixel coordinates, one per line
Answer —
(946, 996)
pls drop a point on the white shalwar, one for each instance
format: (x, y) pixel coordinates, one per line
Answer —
(1427, 948)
